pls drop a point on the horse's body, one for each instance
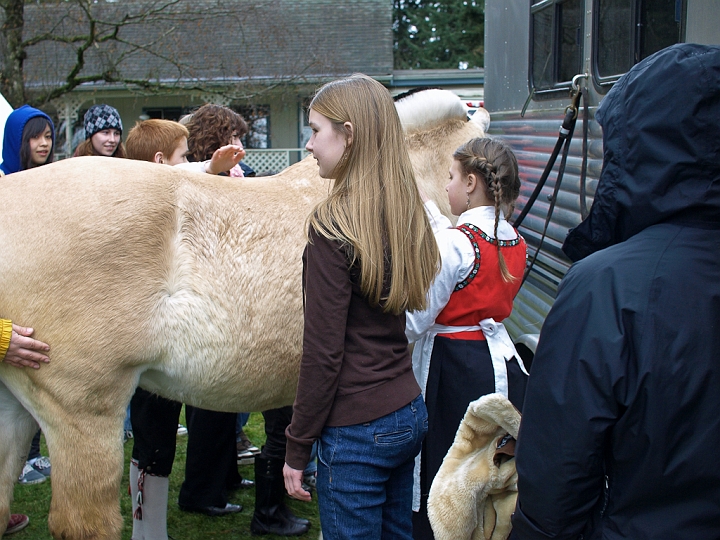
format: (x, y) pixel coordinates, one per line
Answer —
(187, 284)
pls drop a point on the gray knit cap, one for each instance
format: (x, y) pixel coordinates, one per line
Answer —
(99, 117)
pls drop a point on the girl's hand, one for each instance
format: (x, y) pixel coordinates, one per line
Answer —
(25, 351)
(293, 484)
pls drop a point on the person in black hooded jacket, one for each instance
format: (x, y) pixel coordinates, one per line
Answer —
(621, 425)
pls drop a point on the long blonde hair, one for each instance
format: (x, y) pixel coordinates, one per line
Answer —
(374, 205)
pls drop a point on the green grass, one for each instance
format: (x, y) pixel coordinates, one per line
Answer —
(34, 501)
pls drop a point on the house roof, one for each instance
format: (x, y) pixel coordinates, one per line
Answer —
(191, 42)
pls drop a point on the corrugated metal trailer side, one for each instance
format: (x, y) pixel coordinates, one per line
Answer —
(533, 138)
(598, 58)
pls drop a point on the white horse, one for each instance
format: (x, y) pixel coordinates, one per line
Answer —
(186, 284)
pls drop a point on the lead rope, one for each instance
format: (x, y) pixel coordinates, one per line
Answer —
(583, 168)
(565, 132)
(563, 143)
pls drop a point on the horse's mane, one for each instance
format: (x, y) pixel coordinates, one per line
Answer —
(426, 109)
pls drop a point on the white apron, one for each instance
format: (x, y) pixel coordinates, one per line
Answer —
(501, 348)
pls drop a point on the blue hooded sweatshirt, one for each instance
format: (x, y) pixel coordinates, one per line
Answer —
(12, 141)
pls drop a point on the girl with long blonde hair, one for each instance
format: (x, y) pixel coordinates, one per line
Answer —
(370, 257)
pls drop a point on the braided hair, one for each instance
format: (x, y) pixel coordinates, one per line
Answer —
(494, 162)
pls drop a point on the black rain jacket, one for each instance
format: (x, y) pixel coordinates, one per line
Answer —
(620, 436)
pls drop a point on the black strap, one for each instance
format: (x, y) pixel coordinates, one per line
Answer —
(565, 134)
(553, 200)
(564, 138)
(583, 168)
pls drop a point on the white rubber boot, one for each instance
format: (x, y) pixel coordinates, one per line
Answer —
(138, 532)
(155, 506)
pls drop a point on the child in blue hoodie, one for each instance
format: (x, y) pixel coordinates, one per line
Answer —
(29, 140)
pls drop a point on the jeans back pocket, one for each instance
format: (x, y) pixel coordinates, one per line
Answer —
(394, 438)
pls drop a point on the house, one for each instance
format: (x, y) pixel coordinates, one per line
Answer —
(468, 84)
(263, 58)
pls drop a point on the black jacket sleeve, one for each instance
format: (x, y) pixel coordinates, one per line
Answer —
(572, 401)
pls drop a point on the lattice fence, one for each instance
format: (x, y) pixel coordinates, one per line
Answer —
(275, 159)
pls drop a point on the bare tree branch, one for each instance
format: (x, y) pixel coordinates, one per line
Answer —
(50, 48)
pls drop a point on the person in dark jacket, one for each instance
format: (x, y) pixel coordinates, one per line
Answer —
(621, 421)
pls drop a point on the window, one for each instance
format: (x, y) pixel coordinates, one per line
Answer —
(305, 129)
(556, 44)
(165, 113)
(258, 121)
(629, 30)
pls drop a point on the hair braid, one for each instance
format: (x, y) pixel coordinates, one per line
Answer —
(496, 188)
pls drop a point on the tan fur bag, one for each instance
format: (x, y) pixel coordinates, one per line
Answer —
(475, 490)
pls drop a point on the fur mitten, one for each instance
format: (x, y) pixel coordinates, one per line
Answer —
(473, 494)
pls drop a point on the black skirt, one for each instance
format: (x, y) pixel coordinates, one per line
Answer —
(461, 371)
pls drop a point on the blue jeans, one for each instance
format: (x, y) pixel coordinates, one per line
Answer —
(311, 468)
(127, 424)
(242, 419)
(365, 476)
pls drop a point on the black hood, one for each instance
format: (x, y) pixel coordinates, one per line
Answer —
(661, 144)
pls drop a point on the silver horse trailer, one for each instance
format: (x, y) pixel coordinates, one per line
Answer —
(539, 54)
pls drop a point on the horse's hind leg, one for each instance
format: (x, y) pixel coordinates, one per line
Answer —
(17, 428)
(87, 458)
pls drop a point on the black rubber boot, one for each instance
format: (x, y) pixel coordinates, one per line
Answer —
(271, 515)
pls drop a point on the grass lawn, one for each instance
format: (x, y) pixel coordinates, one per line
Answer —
(34, 501)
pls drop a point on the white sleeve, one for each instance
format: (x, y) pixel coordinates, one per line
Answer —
(457, 258)
(195, 166)
(437, 219)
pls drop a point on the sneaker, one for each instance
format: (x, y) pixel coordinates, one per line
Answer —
(182, 430)
(246, 450)
(245, 444)
(41, 465)
(17, 523)
(245, 458)
(127, 435)
(31, 476)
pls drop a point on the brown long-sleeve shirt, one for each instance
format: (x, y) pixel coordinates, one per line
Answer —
(356, 366)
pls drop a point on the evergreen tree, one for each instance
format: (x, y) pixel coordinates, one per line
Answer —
(438, 34)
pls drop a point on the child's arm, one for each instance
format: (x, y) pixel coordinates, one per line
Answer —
(18, 349)
(437, 219)
(457, 258)
(223, 159)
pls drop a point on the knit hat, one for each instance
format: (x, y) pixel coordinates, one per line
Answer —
(99, 117)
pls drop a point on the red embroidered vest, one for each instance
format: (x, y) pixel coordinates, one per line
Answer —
(484, 293)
